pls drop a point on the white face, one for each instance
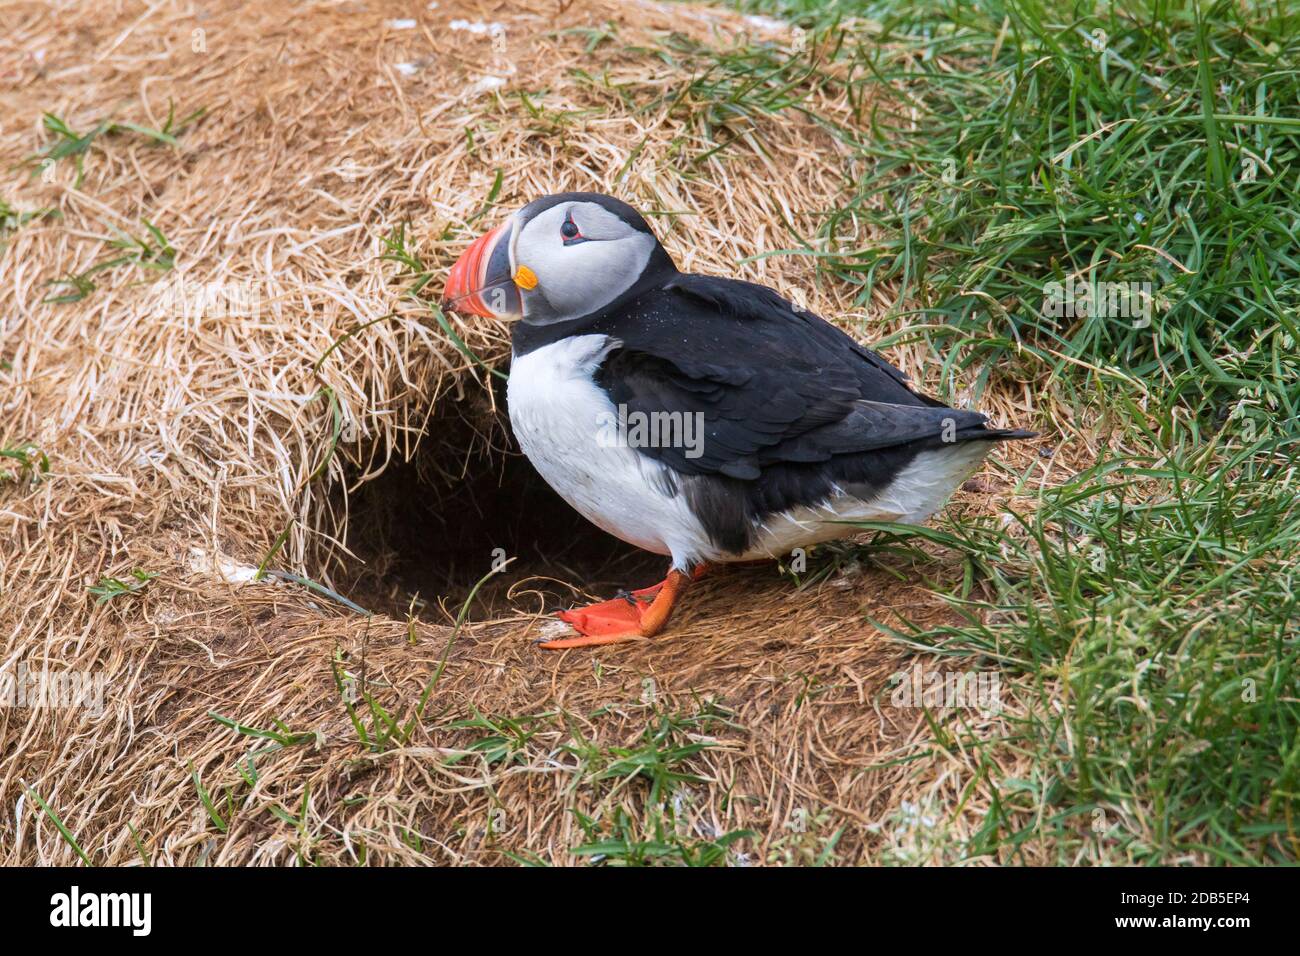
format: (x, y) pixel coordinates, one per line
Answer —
(583, 256)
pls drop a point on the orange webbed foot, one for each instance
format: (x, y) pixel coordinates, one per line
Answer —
(638, 615)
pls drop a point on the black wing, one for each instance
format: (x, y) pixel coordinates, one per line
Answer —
(771, 385)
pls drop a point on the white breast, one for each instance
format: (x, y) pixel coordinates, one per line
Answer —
(561, 419)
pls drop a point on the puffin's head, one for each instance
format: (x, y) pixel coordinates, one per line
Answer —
(560, 257)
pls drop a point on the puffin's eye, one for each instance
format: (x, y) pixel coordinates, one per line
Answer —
(570, 232)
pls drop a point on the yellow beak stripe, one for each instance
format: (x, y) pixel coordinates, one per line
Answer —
(525, 278)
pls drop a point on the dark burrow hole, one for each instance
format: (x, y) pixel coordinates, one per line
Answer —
(431, 527)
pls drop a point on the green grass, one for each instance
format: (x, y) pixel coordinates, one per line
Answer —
(67, 143)
(655, 839)
(59, 825)
(640, 797)
(644, 793)
(1159, 634)
(28, 463)
(500, 740)
(729, 90)
(12, 219)
(384, 731)
(154, 253)
(108, 588)
(1150, 601)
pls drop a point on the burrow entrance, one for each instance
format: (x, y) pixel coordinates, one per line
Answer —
(428, 529)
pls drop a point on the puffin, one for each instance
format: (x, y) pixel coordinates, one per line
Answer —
(701, 418)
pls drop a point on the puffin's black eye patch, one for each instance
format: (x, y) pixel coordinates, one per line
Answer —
(570, 232)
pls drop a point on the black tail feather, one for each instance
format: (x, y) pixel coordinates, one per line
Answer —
(994, 434)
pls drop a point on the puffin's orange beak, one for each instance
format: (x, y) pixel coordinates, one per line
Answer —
(481, 282)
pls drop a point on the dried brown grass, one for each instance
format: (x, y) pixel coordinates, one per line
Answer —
(183, 445)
